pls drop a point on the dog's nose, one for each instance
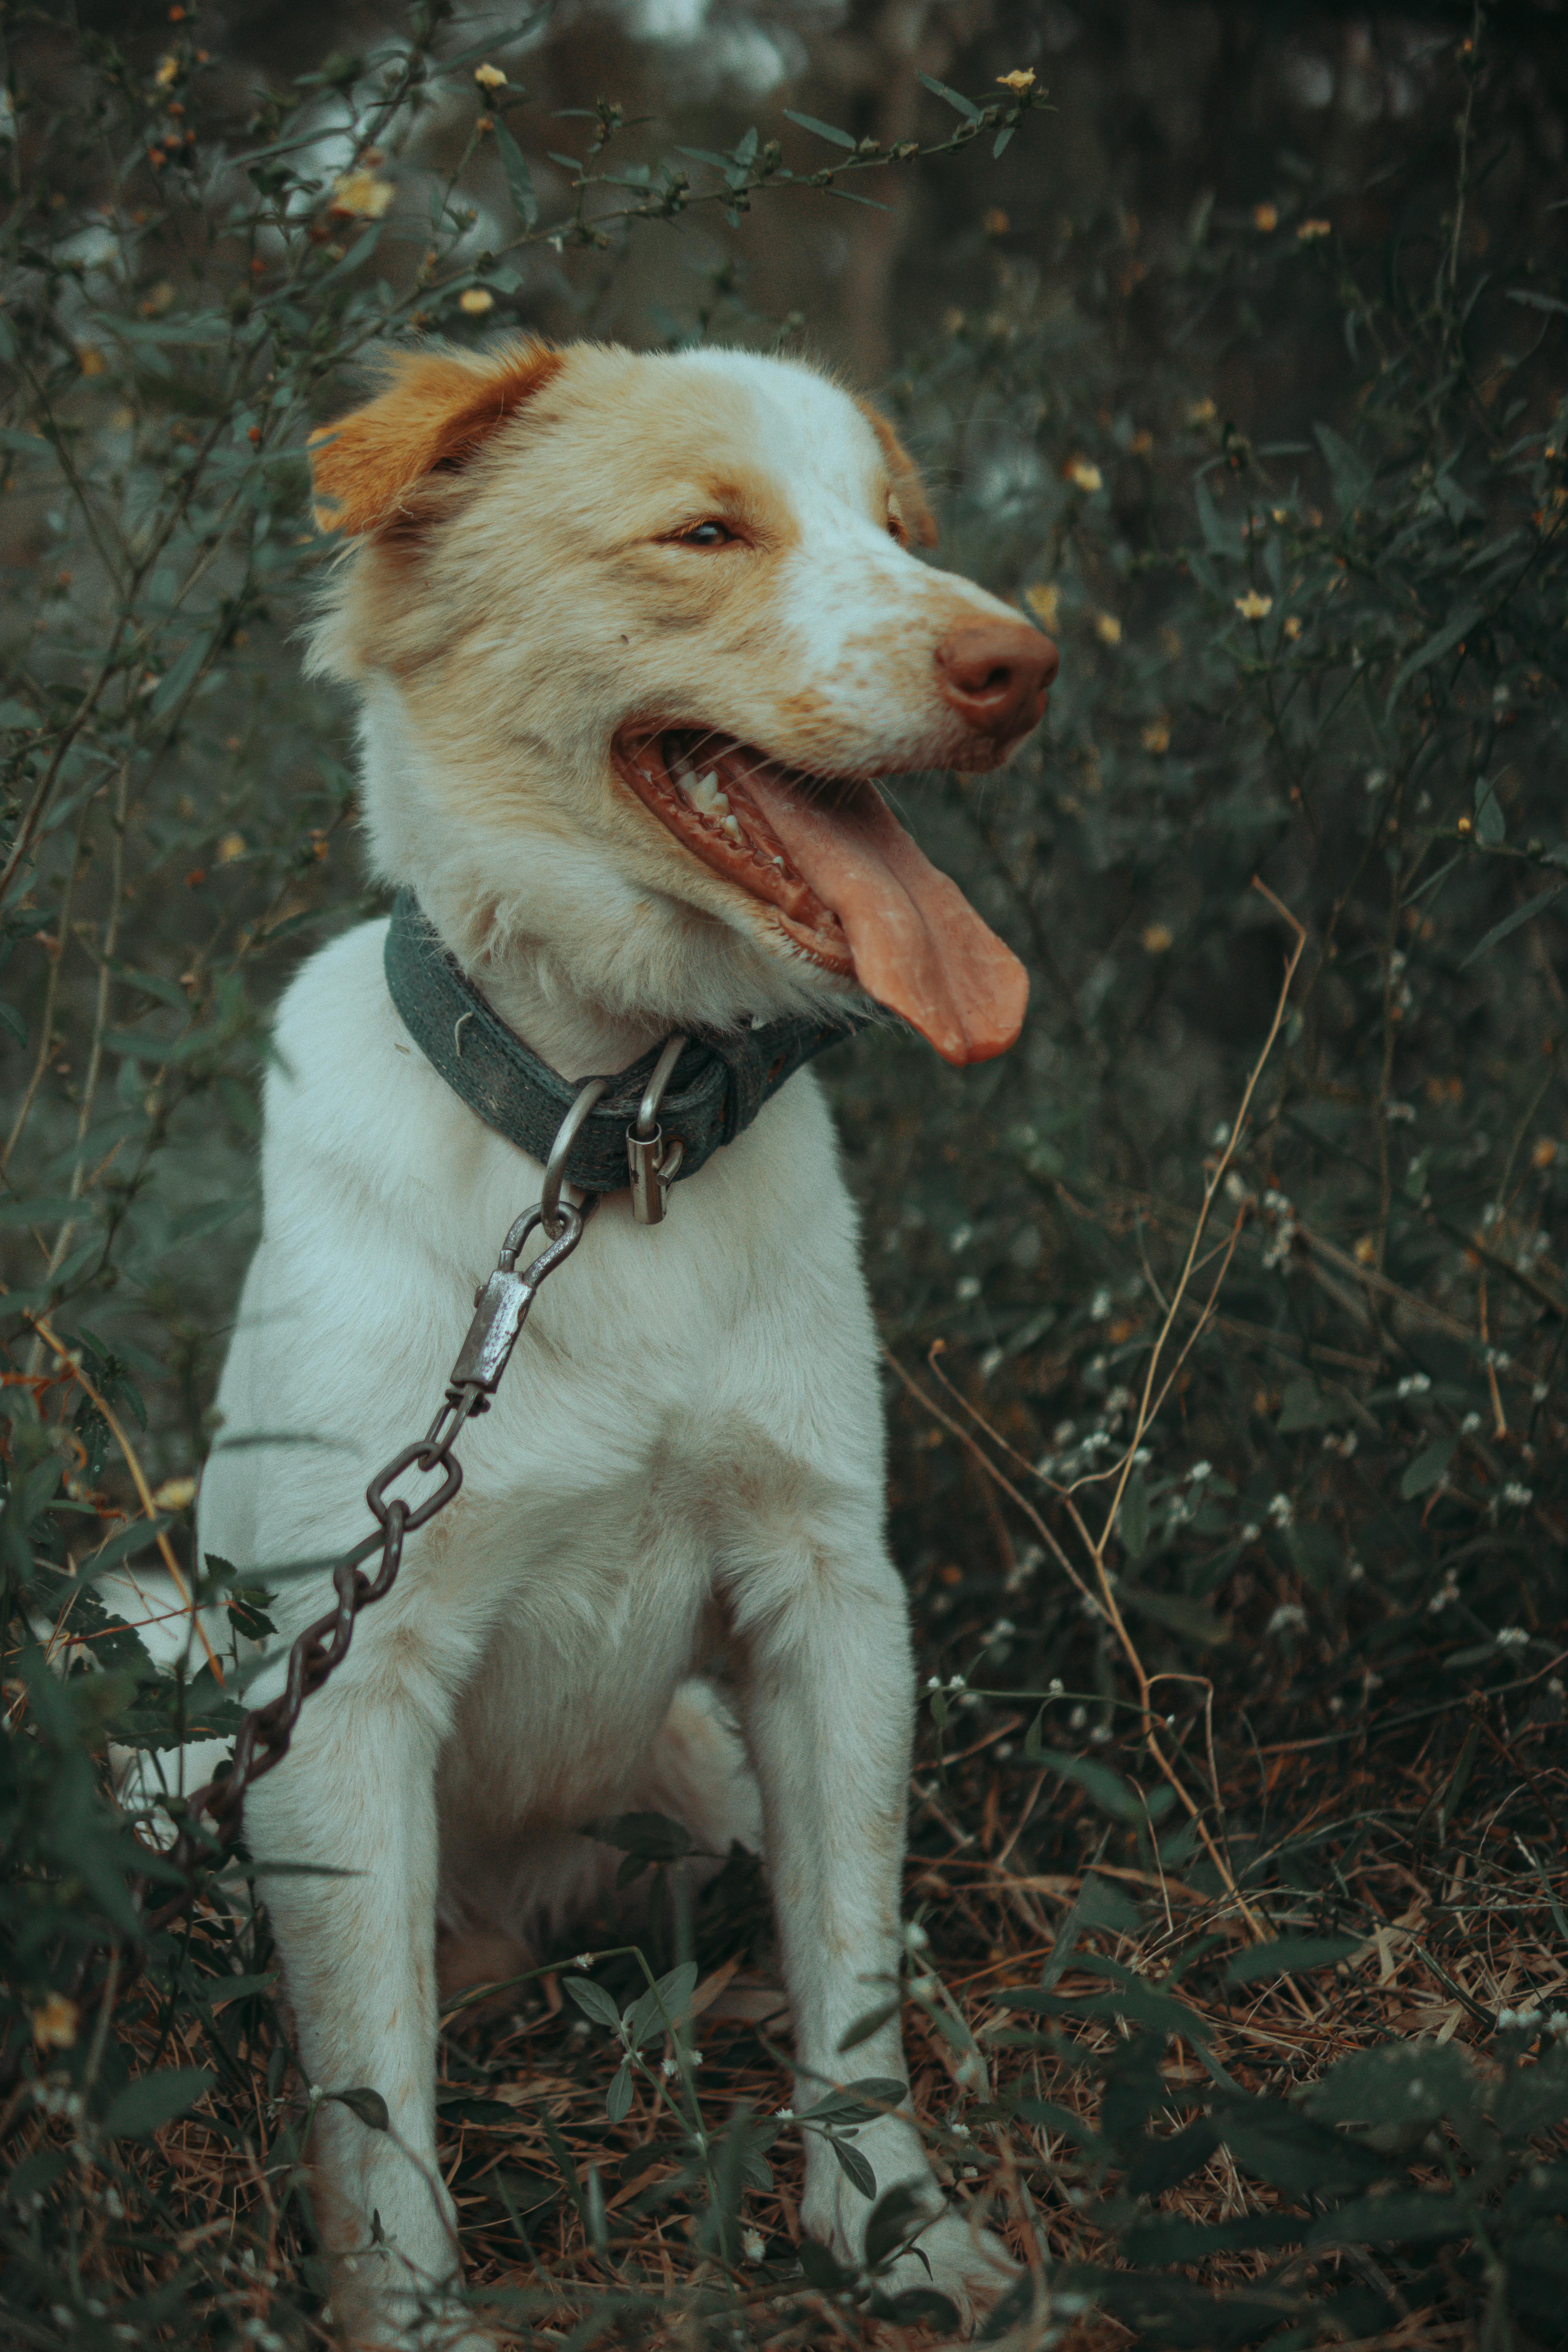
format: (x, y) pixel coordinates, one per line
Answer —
(995, 674)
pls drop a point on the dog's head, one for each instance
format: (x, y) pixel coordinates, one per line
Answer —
(635, 633)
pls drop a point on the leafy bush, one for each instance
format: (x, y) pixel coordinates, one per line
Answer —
(1233, 1478)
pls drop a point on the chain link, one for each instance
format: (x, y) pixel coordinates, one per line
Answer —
(501, 1305)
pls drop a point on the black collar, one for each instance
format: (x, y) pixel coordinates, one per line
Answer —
(720, 1084)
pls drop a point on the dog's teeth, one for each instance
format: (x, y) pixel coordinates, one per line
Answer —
(780, 864)
(732, 828)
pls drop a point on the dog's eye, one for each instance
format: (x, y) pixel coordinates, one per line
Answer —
(707, 534)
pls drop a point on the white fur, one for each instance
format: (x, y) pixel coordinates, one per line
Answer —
(689, 1435)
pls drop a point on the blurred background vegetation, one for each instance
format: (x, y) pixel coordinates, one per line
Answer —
(1229, 1468)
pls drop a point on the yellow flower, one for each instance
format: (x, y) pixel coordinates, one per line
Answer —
(477, 301)
(1202, 412)
(1156, 736)
(54, 2023)
(1543, 1153)
(490, 76)
(1254, 608)
(89, 359)
(1307, 229)
(231, 846)
(362, 195)
(1108, 628)
(995, 222)
(1021, 79)
(1156, 939)
(1365, 1251)
(1085, 476)
(168, 71)
(1265, 217)
(176, 1494)
(1046, 603)
(1292, 627)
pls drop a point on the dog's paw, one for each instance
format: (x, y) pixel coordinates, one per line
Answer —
(967, 2264)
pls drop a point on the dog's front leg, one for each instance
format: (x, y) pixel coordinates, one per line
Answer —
(828, 1706)
(355, 1797)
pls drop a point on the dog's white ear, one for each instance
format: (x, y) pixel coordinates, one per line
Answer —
(907, 488)
(438, 408)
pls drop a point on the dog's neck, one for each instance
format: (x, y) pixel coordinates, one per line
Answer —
(587, 964)
(521, 982)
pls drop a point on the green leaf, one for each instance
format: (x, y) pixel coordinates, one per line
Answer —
(593, 2002)
(1305, 1407)
(1428, 1469)
(1194, 1622)
(367, 2104)
(175, 683)
(1400, 2083)
(664, 2005)
(854, 2165)
(1287, 1953)
(858, 2102)
(1107, 1788)
(1512, 923)
(41, 1209)
(518, 178)
(1446, 638)
(1490, 822)
(869, 2022)
(618, 2098)
(146, 2106)
(652, 1837)
(1349, 471)
(960, 104)
(821, 130)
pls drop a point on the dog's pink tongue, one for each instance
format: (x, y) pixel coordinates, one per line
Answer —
(918, 945)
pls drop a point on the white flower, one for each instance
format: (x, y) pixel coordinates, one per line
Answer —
(785, 2115)
(1099, 1305)
(956, 1682)
(583, 1960)
(1289, 1618)
(1251, 1532)
(1200, 1471)
(1512, 1637)
(915, 1937)
(1282, 1510)
(1470, 1424)
(1412, 1385)
(1001, 1628)
(668, 2066)
(752, 2245)
(1517, 1495)
(1221, 1135)
(1056, 1687)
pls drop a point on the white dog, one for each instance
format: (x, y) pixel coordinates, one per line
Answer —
(631, 634)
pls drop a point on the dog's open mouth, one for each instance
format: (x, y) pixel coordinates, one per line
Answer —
(844, 879)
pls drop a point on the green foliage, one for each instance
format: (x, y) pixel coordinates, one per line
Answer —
(1320, 642)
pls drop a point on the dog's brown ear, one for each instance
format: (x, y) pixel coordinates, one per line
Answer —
(909, 491)
(438, 407)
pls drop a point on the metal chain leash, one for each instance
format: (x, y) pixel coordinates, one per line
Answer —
(501, 1306)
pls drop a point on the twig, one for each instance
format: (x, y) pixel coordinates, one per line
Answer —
(71, 1359)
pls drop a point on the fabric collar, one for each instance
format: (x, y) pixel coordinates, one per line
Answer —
(720, 1084)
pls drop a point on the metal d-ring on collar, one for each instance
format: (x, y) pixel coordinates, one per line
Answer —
(654, 1165)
